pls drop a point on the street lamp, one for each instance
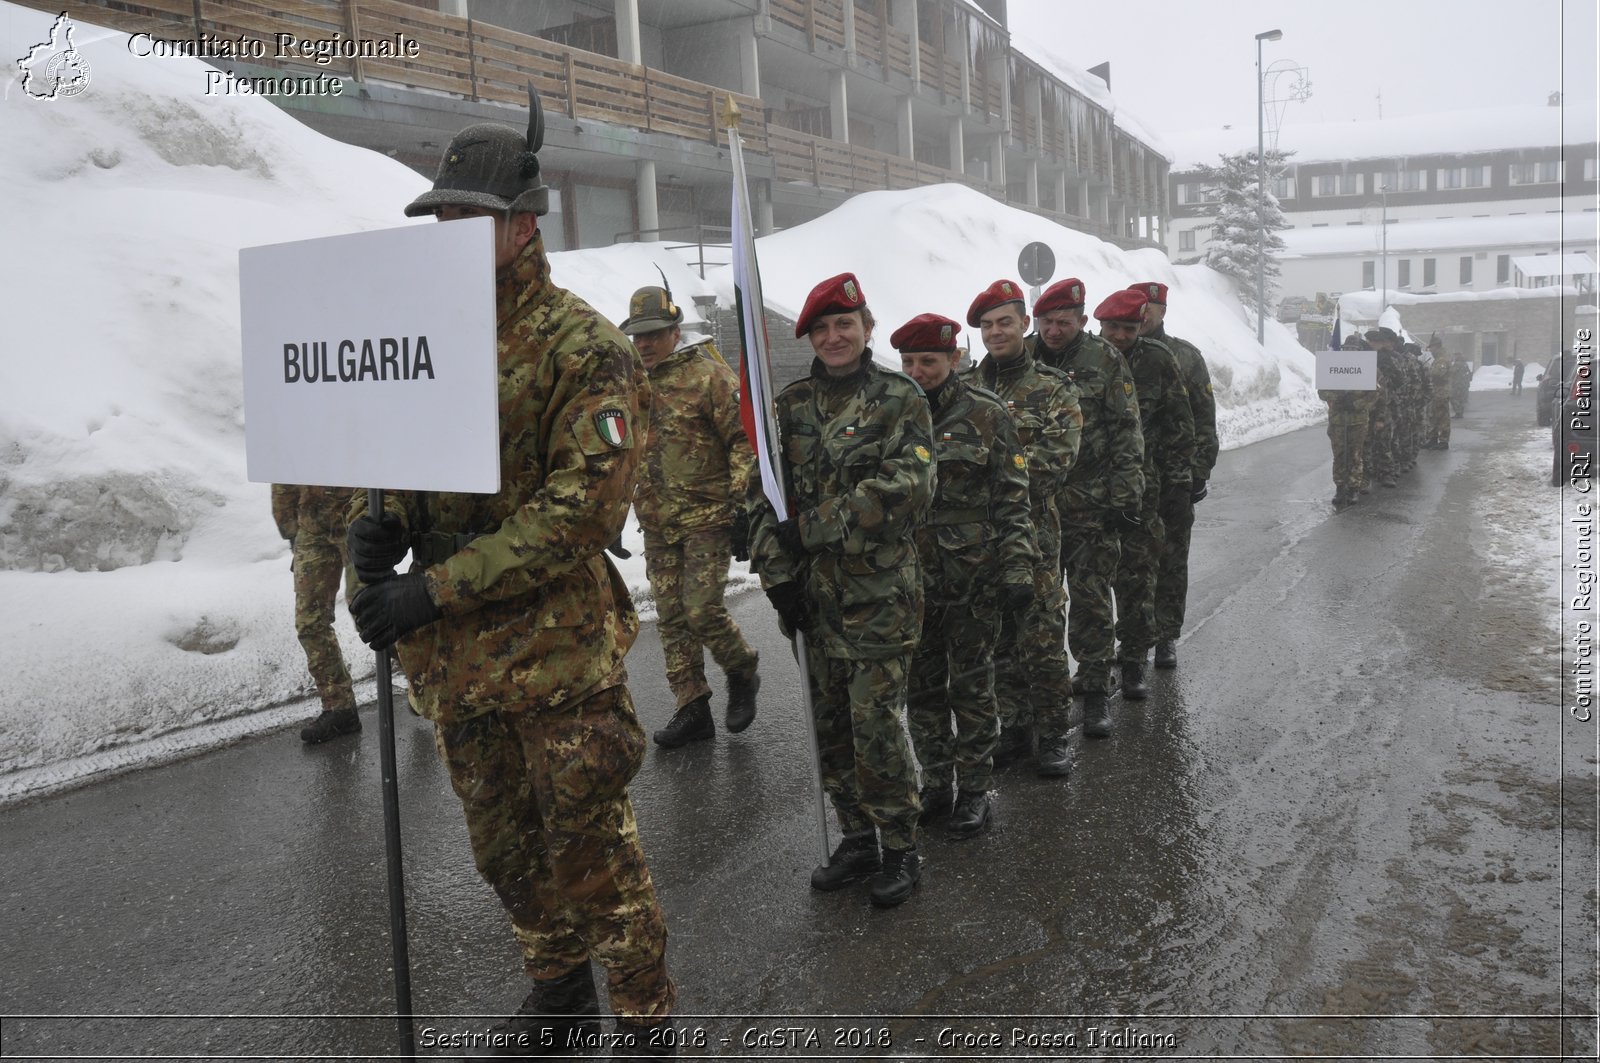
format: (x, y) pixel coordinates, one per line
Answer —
(1261, 187)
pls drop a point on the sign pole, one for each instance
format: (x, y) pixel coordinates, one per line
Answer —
(391, 839)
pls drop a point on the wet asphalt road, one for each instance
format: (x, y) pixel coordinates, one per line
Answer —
(1337, 829)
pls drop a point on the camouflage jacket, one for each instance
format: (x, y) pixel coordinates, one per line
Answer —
(697, 461)
(1202, 403)
(1164, 415)
(1044, 406)
(535, 616)
(979, 535)
(858, 471)
(1460, 377)
(1391, 386)
(1109, 472)
(1439, 380)
(319, 510)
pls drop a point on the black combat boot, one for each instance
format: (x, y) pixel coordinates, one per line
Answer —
(971, 815)
(330, 723)
(902, 869)
(557, 1018)
(741, 711)
(855, 858)
(1096, 716)
(1055, 756)
(1167, 653)
(689, 724)
(937, 801)
(1134, 687)
(637, 1042)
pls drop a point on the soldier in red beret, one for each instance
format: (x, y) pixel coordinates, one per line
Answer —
(1102, 492)
(978, 556)
(1032, 684)
(857, 464)
(1168, 427)
(1172, 580)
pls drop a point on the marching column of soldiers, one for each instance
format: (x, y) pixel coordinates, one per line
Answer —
(1376, 434)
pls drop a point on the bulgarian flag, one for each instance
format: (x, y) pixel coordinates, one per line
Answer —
(755, 362)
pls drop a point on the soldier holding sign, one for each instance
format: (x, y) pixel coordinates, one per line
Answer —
(524, 624)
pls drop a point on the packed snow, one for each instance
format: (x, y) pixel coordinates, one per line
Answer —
(149, 605)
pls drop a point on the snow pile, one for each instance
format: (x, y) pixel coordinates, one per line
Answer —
(147, 591)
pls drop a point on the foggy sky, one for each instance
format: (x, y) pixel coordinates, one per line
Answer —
(1179, 65)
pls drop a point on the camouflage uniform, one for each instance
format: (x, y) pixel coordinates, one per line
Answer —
(1408, 428)
(978, 539)
(523, 672)
(1107, 477)
(313, 520)
(1460, 384)
(697, 465)
(1348, 415)
(858, 470)
(1382, 463)
(1168, 425)
(1439, 406)
(1172, 577)
(1032, 683)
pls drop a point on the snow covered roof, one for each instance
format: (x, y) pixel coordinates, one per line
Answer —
(1091, 88)
(1409, 237)
(1451, 132)
(1577, 265)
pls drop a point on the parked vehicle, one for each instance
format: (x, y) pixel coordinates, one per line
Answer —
(1572, 431)
(1547, 388)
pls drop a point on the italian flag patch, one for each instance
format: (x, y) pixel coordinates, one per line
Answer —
(613, 426)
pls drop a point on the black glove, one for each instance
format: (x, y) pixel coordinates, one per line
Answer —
(389, 610)
(1197, 491)
(376, 545)
(739, 535)
(617, 550)
(1124, 520)
(1015, 597)
(1174, 502)
(794, 613)
(789, 538)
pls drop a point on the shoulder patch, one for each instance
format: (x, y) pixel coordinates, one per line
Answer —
(922, 454)
(612, 424)
(1019, 461)
(1127, 387)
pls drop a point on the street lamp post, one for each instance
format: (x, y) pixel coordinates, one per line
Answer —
(1261, 187)
(1383, 251)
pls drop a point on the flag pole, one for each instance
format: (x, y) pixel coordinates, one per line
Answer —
(756, 396)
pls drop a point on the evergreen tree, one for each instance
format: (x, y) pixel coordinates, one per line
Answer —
(1244, 228)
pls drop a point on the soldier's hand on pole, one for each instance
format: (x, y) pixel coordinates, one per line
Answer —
(1123, 520)
(391, 609)
(376, 545)
(794, 612)
(739, 535)
(1197, 491)
(788, 532)
(617, 550)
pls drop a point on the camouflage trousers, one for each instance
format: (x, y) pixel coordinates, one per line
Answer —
(318, 567)
(552, 829)
(861, 743)
(1458, 401)
(1172, 575)
(1439, 420)
(1347, 435)
(1032, 683)
(1091, 552)
(952, 676)
(688, 579)
(1380, 460)
(1136, 583)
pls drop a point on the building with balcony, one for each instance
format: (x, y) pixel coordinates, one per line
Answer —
(835, 97)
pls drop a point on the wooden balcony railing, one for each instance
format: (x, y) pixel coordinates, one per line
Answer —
(819, 20)
(829, 164)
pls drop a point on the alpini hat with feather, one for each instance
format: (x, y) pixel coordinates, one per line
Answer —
(492, 166)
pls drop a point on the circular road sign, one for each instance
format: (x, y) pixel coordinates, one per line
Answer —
(1037, 263)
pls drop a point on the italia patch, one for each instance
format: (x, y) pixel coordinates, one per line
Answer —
(922, 454)
(613, 426)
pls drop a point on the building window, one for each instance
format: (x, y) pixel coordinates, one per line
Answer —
(1428, 272)
(1464, 177)
(1283, 187)
(1588, 169)
(1536, 173)
(1466, 270)
(1336, 184)
(1491, 345)
(1401, 181)
(1192, 192)
(1369, 274)
(1502, 269)
(1405, 273)
(1186, 240)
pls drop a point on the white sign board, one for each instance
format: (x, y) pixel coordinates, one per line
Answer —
(369, 359)
(1347, 370)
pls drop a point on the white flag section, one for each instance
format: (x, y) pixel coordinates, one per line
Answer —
(755, 368)
(369, 359)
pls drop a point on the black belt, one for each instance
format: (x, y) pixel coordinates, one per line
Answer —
(430, 548)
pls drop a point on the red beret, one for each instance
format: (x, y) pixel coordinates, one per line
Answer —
(1154, 291)
(997, 294)
(1062, 295)
(926, 332)
(836, 295)
(1126, 305)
